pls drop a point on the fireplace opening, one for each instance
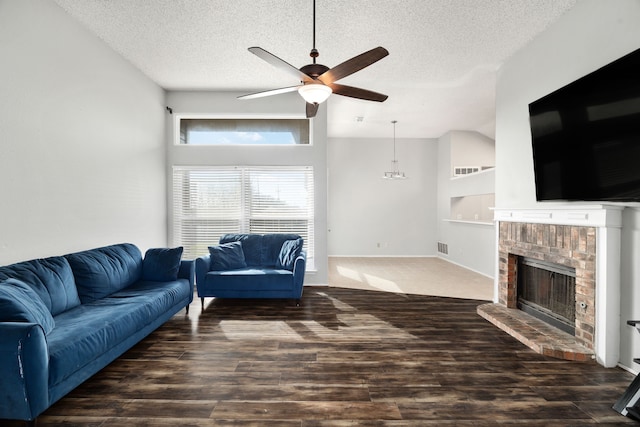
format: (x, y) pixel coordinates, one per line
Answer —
(547, 291)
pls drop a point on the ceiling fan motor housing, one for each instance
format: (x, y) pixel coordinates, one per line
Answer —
(314, 70)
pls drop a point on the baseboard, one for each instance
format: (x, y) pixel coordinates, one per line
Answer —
(466, 268)
(383, 256)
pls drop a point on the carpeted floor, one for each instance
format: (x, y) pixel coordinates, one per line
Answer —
(410, 275)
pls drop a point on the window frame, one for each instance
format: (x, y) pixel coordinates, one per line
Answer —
(244, 222)
(196, 116)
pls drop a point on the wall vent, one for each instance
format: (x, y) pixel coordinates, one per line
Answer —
(465, 170)
(443, 248)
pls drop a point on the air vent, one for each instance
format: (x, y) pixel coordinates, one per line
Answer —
(443, 248)
(465, 170)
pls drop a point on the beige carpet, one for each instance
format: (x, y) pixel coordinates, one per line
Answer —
(421, 276)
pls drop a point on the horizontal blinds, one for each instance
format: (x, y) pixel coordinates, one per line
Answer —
(211, 201)
(207, 204)
(280, 200)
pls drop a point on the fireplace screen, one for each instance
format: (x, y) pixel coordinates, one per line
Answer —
(548, 292)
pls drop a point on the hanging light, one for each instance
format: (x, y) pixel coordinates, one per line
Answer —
(315, 93)
(395, 173)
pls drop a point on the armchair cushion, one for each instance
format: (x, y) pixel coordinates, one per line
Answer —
(20, 303)
(227, 256)
(161, 264)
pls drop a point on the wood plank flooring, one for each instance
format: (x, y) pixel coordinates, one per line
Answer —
(345, 357)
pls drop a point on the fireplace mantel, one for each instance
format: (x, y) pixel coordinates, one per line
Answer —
(607, 221)
(584, 215)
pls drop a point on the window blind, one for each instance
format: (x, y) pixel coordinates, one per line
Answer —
(211, 201)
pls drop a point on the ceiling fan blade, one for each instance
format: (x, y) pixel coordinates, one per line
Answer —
(279, 63)
(356, 92)
(312, 109)
(270, 92)
(352, 65)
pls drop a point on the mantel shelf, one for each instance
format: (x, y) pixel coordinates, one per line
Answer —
(462, 221)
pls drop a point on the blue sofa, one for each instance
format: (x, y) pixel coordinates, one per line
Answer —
(64, 318)
(253, 266)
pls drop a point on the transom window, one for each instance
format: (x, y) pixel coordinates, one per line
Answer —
(244, 131)
(211, 201)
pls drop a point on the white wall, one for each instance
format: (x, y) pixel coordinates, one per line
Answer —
(82, 150)
(589, 36)
(472, 149)
(371, 216)
(470, 244)
(225, 104)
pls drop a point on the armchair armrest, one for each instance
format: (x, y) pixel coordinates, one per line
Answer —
(187, 271)
(299, 268)
(24, 369)
(203, 264)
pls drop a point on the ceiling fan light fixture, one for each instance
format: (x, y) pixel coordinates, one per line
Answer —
(314, 93)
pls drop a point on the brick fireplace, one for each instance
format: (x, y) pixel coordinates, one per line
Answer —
(585, 238)
(566, 245)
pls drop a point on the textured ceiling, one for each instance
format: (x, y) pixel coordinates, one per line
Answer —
(440, 73)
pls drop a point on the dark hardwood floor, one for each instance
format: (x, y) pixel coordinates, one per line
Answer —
(343, 358)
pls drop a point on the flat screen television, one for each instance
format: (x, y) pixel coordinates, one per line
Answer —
(586, 136)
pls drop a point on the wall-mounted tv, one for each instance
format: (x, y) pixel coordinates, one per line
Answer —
(586, 136)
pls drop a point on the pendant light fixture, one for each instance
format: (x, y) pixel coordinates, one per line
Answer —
(395, 173)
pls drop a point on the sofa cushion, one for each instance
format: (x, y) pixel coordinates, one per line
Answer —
(20, 303)
(288, 253)
(51, 278)
(90, 330)
(273, 244)
(250, 279)
(161, 264)
(251, 246)
(103, 271)
(227, 256)
(260, 250)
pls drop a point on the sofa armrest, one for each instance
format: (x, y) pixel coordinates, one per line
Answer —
(203, 264)
(187, 271)
(24, 369)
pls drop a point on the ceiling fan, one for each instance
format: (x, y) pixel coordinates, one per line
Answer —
(317, 80)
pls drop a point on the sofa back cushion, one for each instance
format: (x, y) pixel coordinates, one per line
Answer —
(103, 271)
(260, 249)
(20, 303)
(50, 278)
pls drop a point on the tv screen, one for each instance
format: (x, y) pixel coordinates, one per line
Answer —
(586, 136)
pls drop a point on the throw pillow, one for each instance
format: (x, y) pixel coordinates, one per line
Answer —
(227, 256)
(20, 303)
(161, 264)
(288, 253)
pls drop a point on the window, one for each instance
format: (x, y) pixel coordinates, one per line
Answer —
(244, 131)
(211, 201)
